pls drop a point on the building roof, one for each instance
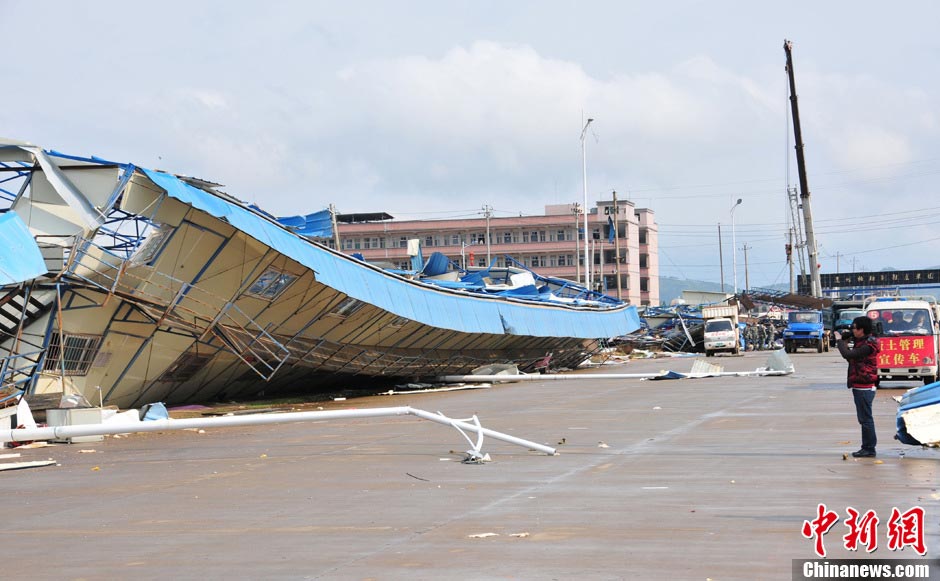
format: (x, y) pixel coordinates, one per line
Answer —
(363, 217)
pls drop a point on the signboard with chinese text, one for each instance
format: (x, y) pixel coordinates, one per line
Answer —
(906, 351)
(887, 278)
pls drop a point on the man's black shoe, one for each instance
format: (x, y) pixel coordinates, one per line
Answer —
(864, 454)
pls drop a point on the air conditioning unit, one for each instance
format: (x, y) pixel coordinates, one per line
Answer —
(75, 417)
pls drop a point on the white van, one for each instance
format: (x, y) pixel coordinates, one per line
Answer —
(907, 333)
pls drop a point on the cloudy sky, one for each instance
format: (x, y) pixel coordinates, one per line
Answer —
(433, 109)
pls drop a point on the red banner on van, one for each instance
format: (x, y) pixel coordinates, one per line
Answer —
(906, 351)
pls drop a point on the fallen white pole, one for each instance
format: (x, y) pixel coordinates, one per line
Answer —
(63, 432)
(596, 376)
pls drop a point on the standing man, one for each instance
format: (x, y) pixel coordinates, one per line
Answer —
(862, 375)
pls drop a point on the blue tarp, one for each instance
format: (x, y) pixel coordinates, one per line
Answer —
(416, 301)
(20, 259)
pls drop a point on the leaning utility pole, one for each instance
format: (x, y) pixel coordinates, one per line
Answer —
(815, 282)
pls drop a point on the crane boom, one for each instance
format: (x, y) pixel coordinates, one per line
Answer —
(815, 282)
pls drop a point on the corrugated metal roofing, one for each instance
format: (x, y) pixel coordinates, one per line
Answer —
(432, 306)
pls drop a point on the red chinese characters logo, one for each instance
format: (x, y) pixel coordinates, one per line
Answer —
(862, 530)
(819, 526)
(907, 528)
(904, 529)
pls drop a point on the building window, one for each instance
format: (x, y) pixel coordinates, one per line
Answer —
(152, 245)
(403, 242)
(644, 261)
(271, 284)
(643, 236)
(77, 356)
(644, 284)
(507, 237)
(561, 235)
(347, 307)
(347, 243)
(429, 241)
(525, 237)
(542, 236)
(455, 239)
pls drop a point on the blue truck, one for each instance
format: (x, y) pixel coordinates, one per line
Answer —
(805, 329)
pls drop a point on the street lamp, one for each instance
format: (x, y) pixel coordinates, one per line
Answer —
(734, 249)
(587, 264)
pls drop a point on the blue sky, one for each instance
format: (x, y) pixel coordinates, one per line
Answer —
(433, 109)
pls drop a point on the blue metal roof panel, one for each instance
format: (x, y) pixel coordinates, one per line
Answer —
(21, 259)
(432, 306)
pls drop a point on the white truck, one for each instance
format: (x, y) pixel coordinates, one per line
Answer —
(721, 329)
(908, 335)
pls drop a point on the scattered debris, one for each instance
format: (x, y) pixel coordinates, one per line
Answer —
(602, 445)
(519, 535)
(87, 451)
(482, 535)
(418, 477)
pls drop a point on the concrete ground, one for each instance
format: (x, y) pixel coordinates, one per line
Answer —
(699, 479)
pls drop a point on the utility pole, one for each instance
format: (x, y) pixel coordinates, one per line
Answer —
(837, 261)
(721, 259)
(815, 281)
(487, 209)
(747, 281)
(577, 247)
(335, 228)
(617, 247)
(587, 265)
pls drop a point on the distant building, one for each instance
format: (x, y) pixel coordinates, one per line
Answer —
(550, 244)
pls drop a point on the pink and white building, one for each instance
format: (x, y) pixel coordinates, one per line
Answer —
(550, 244)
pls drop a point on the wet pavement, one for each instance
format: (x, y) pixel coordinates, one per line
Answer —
(699, 479)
